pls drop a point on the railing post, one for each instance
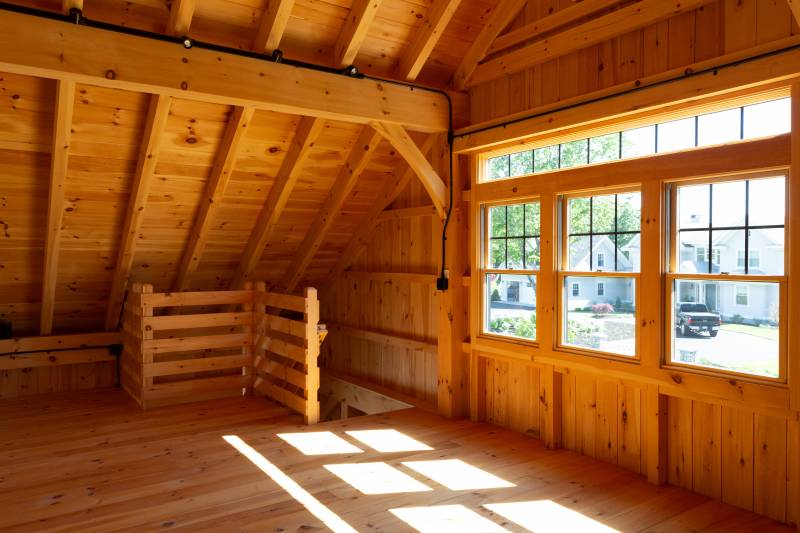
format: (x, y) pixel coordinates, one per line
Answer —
(311, 317)
(146, 357)
(247, 371)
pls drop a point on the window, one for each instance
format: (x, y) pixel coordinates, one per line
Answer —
(729, 319)
(511, 263)
(602, 247)
(748, 122)
(742, 295)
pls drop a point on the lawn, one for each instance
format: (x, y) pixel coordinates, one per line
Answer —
(764, 332)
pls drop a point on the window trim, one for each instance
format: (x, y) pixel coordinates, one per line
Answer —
(601, 288)
(484, 268)
(670, 196)
(561, 204)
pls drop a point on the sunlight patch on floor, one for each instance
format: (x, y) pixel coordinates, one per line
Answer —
(455, 474)
(546, 516)
(446, 519)
(376, 478)
(319, 443)
(388, 441)
(314, 506)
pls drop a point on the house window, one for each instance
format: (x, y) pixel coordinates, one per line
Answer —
(748, 122)
(735, 306)
(742, 295)
(510, 266)
(600, 229)
(602, 236)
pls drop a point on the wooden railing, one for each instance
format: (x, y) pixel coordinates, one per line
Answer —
(178, 348)
(286, 350)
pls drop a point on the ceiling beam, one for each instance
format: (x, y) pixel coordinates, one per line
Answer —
(354, 31)
(143, 178)
(273, 24)
(364, 231)
(62, 133)
(418, 52)
(308, 130)
(224, 162)
(407, 148)
(627, 19)
(794, 5)
(47, 48)
(502, 15)
(180, 17)
(348, 175)
(558, 19)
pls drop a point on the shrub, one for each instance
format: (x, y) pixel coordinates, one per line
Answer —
(602, 309)
(737, 319)
(495, 295)
(518, 326)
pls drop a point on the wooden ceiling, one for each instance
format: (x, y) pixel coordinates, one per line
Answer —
(101, 184)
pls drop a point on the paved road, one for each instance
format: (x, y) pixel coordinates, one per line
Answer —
(732, 348)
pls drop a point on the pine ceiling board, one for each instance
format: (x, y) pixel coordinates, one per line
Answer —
(26, 116)
(26, 113)
(144, 16)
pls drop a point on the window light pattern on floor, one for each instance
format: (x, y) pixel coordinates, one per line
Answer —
(546, 516)
(388, 441)
(319, 443)
(447, 519)
(455, 474)
(376, 478)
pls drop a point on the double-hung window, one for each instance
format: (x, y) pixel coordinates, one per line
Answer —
(510, 269)
(725, 306)
(601, 252)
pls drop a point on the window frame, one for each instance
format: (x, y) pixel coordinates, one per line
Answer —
(746, 295)
(563, 272)
(673, 276)
(485, 268)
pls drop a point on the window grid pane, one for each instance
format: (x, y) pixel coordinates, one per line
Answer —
(747, 122)
(514, 237)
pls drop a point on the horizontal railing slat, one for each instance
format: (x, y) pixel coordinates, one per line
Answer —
(205, 342)
(202, 320)
(183, 299)
(204, 364)
(59, 342)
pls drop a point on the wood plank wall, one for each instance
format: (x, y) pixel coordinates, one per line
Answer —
(401, 307)
(718, 28)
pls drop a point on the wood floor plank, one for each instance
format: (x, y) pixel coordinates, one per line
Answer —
(92, 461)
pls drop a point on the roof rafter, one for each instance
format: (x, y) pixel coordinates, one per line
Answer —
(502, 15)
(632, 17)
(180, 17)
(794, 5)
(273, 24)
(407, 148)
(224, 162)
(363, 234)
(62, 126)
(308, 130)
(418, 52)
(156, 121)
(560, 18)
(356, 162)
(354, 31)
(56, 49)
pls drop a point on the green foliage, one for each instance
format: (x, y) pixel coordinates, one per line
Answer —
(495, 295)
(579, 333)
(737, 319)
(574, 153)
(517, 326)
(520, 224)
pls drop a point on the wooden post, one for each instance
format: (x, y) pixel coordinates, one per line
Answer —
(247, 370)
(311, 317)
(452, 366)
(793, 249)
(146, 353)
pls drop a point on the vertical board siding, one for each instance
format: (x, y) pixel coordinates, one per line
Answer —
(710, 31)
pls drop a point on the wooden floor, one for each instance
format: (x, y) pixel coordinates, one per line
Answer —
(92, 461)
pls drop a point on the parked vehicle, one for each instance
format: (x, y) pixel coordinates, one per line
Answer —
(696, 318)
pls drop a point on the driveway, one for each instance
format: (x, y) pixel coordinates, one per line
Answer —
(732, 350)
